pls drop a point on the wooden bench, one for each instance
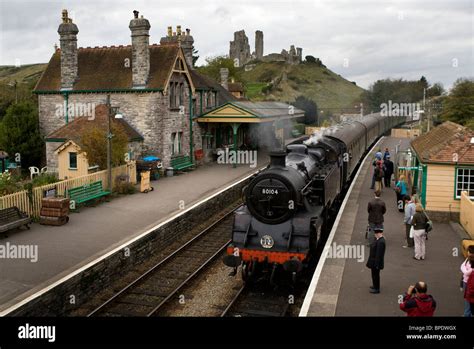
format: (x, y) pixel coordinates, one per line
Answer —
(87, 192)
(181, 162)
(11, 218)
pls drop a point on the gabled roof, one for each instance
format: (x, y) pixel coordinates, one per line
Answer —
(202, 82)
(448, 143)
(75, 129)
(251, 112)
(109, 68)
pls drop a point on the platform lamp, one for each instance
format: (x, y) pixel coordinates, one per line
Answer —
(111, 111)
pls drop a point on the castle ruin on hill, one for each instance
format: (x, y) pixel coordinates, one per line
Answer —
(239, 51)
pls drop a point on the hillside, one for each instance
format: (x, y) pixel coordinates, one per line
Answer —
(25, 78)
(24, 74)
(284, 82)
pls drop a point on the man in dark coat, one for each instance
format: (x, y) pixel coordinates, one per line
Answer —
(376, 260)
(416, 302)
(376, 209)
(388, 171)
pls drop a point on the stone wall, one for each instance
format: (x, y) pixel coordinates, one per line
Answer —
(56, 302)
(239, 48)
(149, 113)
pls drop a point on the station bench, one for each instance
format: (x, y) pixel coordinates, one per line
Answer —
(11, 218)
(181, 162)
(87, 192)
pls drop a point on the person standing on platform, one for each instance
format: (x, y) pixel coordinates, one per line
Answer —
(401, 190)
(419, 232)
(378, 175)
(469, 292)
(386, 154)
(466, 270)
(378, 157)
(376, 260)
(388, 171)
(410, 210)
(416, 302)
(376, 209)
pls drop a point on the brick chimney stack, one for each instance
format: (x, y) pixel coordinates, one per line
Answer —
(140, 28)
(68, 42)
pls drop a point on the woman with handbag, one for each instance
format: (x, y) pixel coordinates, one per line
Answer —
(418, 223)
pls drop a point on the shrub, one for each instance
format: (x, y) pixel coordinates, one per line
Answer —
(9, 183)
(44, 179)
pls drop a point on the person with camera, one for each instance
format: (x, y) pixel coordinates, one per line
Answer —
(417, 302)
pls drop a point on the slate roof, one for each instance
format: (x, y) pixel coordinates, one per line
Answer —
(103, 68)
(76, 128)
(439, 145)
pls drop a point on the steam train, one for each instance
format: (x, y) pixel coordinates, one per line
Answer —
(289, 206)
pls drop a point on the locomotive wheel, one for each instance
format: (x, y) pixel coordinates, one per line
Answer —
(248, 272)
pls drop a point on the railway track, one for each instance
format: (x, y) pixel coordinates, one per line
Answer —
(153, 289)
(250, 302)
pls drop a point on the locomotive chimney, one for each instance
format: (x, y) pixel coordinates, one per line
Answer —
(277, 159)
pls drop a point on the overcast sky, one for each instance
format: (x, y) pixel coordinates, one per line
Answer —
(361, 40)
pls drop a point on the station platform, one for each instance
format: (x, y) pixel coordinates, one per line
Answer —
(95, 231)
(340, 286)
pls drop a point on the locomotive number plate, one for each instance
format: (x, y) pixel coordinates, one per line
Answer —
(270, 191)
(267, 241)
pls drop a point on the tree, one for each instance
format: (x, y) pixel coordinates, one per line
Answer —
(19, 134)
(310, 59)
(310, 109)
(458, 106)
(436, 90)
(214, 64)
(94, 144)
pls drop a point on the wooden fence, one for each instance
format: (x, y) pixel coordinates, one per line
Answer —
(32, 205)
(405, 133)
(466, 216)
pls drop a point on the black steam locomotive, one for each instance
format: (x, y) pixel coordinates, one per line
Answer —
(289, 206)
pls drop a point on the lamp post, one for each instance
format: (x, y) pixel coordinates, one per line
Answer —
(111, 111)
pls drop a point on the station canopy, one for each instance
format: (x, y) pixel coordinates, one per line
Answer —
(251, 112)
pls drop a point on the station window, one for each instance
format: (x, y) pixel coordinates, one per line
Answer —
(176, 138)
(172, 95)
(465, 181)
(181, 94)
(73, 161)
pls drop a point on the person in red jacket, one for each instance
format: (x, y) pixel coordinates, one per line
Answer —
(416, 302)
(469, 291)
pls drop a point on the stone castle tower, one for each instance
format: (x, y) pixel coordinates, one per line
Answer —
(68, 40)
(258, 44)
(140, 28)
(239, 48)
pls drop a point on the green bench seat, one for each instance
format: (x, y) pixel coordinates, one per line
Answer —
(87, 192)
(181, 162)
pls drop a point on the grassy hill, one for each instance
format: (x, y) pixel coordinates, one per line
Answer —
(25, 77)
(24, 74)
(284, 82)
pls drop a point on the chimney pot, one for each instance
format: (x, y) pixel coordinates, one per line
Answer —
(224, 78)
